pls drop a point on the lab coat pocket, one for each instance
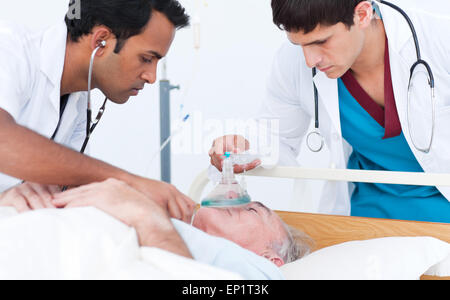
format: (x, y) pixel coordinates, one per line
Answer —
(441, 139)
(442, 123)
(443, 111)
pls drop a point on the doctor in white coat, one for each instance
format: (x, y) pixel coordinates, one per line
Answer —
(355, 44)
(43, 99)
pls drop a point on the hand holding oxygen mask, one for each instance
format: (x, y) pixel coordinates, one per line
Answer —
(229, 192)
(234, 144)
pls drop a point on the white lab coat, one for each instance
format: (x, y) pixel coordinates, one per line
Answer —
(31, 66)
(290, 97)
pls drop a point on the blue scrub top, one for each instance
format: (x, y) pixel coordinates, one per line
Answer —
(372, 152)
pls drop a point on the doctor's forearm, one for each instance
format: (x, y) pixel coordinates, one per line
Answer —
(27, 155)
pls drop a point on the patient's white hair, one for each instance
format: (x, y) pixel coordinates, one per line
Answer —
(295, 245)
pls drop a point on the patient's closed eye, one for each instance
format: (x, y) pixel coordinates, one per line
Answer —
(252, 209)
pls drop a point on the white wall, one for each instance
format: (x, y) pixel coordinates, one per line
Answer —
(238, 42)
(225, 79)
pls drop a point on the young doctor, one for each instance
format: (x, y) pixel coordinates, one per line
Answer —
(377, 85)
(112, 45)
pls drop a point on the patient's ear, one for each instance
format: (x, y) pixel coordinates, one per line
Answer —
(278, 261)
(273, 257)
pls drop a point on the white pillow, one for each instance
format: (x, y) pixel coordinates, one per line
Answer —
(441, 269)
(384, 258)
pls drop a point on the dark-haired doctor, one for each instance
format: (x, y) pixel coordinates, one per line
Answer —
(43, 99)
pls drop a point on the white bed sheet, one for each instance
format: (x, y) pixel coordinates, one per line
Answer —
(85, 243)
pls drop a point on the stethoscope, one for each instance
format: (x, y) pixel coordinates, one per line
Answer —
(315, 140)
(90, 126)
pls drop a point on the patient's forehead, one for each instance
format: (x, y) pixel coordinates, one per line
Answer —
(263, 219)
(259, 204)
(272, 219)
(253, 226)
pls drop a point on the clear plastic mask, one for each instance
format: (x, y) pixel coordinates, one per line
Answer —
(228, 192)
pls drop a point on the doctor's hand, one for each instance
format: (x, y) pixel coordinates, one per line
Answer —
(178, 205)
(233, 144)
(131, 207)
(29, 196)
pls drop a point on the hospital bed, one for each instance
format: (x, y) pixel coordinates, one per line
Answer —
(328, 230)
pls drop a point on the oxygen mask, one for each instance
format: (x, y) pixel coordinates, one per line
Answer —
(228, 192)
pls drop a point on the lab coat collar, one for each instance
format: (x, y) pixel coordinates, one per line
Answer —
(52, 56)
(396, 27)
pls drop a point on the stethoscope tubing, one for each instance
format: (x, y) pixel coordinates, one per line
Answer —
(90, 126)
(419, 61)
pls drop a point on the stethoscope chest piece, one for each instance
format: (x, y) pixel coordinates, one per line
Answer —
(315, 141)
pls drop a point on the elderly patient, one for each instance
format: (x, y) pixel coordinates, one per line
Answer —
(256, 228)
(253, 226)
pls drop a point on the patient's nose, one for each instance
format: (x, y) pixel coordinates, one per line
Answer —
(232, 195)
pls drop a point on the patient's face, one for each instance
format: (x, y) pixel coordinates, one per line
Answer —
(252, 226)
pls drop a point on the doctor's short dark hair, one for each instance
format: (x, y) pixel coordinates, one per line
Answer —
(125, 18)
(306, 15)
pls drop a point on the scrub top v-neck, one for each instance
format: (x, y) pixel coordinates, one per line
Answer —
(379, 144)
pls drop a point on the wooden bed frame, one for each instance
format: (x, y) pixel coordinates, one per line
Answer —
(327, 230)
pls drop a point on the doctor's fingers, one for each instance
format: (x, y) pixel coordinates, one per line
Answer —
(178, 205)
(174, 209)
(21, 205)
(216, 161)
(70, 202)
(35, 201)
(230, 143)
(80, 191)
(187, 208)
(247, 167)
(69, 197)
(44, 193)
(79, 203)
(54, 189)
(13, 199)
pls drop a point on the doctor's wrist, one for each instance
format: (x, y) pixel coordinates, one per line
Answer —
(127, 177)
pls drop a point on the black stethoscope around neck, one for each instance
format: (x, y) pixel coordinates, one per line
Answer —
(315, 140)
(90, 125)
